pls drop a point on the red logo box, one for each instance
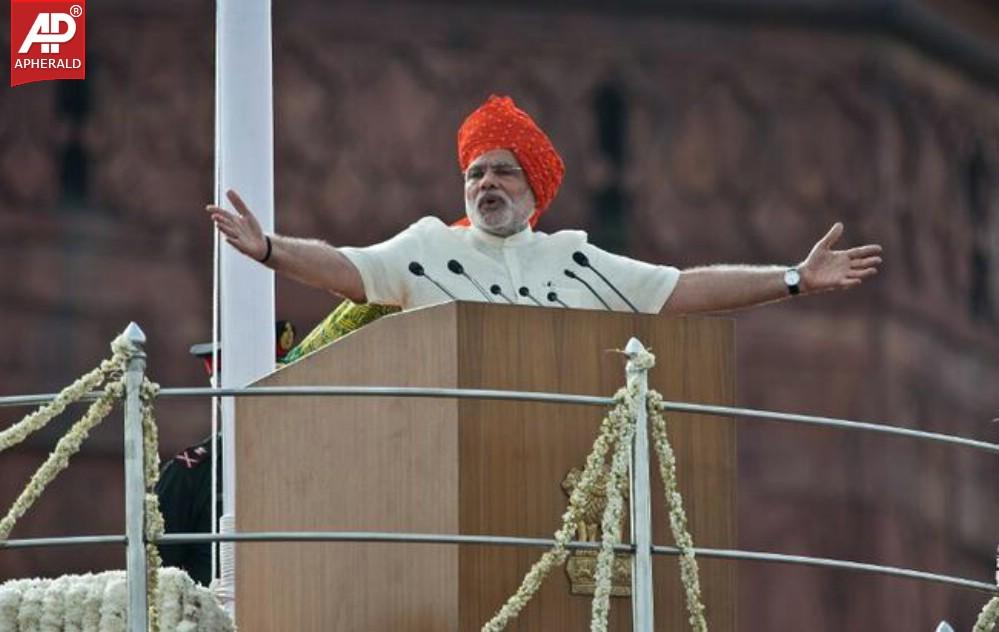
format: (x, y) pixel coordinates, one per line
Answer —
(47, 41)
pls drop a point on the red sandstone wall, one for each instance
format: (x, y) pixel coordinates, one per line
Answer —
(739, 143)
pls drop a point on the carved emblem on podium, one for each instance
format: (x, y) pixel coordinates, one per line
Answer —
(581, 566)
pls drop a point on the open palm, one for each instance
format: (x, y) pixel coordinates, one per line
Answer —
(241, 229)
(827, 269)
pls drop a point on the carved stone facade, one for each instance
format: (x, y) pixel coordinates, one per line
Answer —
(686, 142)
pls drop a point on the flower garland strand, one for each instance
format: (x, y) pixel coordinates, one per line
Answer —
(611, 521)
(153, 518)
(40, 418)
(689, 573)
(58, 460)
(557, 555)
(988, 617)
(68, 594)
(616, 431)
(610, 526)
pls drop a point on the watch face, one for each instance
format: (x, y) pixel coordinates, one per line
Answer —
(791, 277)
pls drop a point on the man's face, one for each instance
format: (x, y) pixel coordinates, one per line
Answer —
(498, 199)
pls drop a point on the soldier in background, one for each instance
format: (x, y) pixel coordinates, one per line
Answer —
(185, 486)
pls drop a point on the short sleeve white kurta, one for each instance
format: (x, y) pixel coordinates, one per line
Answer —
(529, 259)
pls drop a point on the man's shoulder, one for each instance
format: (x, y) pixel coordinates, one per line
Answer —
(564, 238)
(428, 224)
(427, 228)
(567, 233)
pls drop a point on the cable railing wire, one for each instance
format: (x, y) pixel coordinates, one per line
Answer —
(534, 396)
(831, 422)
(491, 540)
(342, 391)
(30, 543)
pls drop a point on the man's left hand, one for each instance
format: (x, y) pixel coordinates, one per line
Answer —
(826, 269)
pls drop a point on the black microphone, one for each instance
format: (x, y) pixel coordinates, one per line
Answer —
(581, 260)
(553, 297)
(418, 270)
(572, 275)
(457, 268)
(495, 289)
(527, 293)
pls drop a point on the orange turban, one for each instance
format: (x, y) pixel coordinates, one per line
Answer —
(499, 124)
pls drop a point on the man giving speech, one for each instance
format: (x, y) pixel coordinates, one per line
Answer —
(512, 173)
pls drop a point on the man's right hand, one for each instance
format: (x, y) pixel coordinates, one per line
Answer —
(310, 261)
(241, 230)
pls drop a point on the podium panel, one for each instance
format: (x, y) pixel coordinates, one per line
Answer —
(468, 466)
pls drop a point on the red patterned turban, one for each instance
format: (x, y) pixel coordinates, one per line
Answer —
(499, 124)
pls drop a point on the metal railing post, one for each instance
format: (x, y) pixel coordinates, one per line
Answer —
(641, 500)
(135, 484)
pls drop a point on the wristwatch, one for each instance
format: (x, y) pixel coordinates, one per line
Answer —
(791, 279)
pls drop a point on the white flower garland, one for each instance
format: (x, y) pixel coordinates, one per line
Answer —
(616, 431)
(154, 524)
(988, 617)
(58, 460)
(45, 604)
(611, 523)
(689, 573)
(70, 444)
(99, 603)
(40, 418)
(558, 553)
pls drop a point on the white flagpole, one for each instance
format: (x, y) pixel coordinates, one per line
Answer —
(244, 154)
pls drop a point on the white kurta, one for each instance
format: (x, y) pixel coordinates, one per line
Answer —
(530, 259)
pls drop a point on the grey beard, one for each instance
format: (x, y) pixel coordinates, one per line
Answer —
(510, 228)
(506, 230)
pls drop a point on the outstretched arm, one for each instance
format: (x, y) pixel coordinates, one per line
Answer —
(309, 261)
(730, 287)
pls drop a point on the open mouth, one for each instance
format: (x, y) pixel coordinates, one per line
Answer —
(490, 202)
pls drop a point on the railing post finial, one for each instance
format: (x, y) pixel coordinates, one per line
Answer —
(135, 335)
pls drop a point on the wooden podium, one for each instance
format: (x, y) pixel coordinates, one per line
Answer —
(467, 466)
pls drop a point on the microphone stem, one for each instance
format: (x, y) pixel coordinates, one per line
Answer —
(594, 292)
(478, 287)
(441, 287)
(527, 294)
(616, 291)
(506, 298)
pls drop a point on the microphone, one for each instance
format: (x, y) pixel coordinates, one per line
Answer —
(581, 260)
(418, 270)
(457, 268)
(553, 297)
(572, 275)
(495, 289)
(527, 294)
